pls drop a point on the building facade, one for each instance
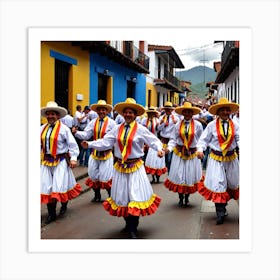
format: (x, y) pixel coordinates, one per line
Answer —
(81, 73)
(228, 72)
(162, 85)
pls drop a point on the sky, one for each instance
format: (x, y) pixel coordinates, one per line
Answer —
(196, 53)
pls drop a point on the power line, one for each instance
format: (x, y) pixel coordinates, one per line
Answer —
(198, 49)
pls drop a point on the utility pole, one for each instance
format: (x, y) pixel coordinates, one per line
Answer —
(204, 60)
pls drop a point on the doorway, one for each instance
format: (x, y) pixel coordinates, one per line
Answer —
(130, 89)
(61, 83)
(102, 86)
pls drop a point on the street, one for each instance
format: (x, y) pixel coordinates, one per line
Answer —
(87, 220)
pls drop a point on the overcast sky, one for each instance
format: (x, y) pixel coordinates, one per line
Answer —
(194, 53)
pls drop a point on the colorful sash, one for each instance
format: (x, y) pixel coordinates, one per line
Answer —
(53, 138)
(125, 145)
(97, 134)
(186, 136)
(225, 142)
(165, 119)
(151, 125)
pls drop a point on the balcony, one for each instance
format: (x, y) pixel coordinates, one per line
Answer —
(169, 81)
(137, 56)
(131, 56)
(230, 60)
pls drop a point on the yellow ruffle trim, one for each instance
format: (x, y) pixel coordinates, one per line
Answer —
(144, 204)
(109, 155)
(179, 154)
(134, 204)
(222, 158)
(133, 208)
(123, 167)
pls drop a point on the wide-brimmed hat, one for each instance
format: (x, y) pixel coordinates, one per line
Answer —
(168, 105)
(152, 109)
(52, 106)
(130, 103)
(187, 106)
(101, 103)
(223, 102)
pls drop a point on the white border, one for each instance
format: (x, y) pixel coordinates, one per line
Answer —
(263, 17)
(153, 35)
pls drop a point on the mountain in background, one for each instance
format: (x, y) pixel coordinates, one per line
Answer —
(196, 76)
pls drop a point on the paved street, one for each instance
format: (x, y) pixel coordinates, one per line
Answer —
(87, 220)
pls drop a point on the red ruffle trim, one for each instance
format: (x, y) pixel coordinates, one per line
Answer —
(62, 197)
(182, 188)
(157, 172)
(124, 211)
(223, 197)
(98, 184)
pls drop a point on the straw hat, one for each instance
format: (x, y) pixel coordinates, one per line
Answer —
(101, 103)
(130, 103)
(168, 105)
(52, 106)
(187, 106)
(223, 102)
(152, 109)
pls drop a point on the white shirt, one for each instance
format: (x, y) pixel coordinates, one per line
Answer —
(209, 138)
(87, 133)
(68, 120)
(166, 131)
(176, 139)
(92, 115)
(141, 137)
(119, 119)
(65, 142)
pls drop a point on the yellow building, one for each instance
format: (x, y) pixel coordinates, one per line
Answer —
(64, 75)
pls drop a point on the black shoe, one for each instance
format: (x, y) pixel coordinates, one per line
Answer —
(124, 230)
(96, 198)
(181, 200)
(181, 203)
(220, 220)
(187, 203)
(133, 235)
(158, 179)
(50, 219)
(62, 210)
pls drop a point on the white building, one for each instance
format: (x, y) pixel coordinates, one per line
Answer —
(228, 74)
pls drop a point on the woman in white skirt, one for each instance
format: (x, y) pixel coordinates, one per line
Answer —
(185, 171)
(154, 165)
(222, 172)
(59, 151)
(100, 165)
(132, 195)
